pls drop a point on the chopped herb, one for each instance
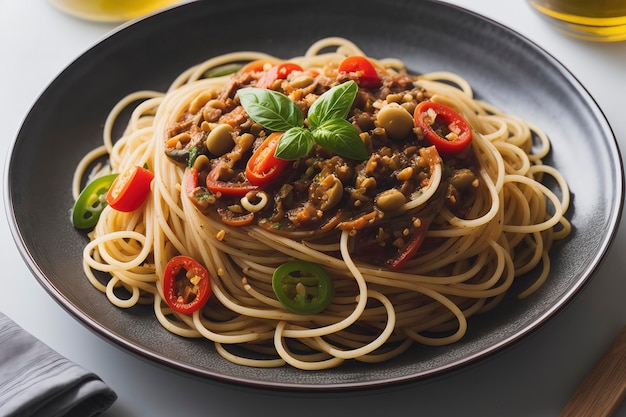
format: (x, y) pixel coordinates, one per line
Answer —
(203, 195)
(193, 154)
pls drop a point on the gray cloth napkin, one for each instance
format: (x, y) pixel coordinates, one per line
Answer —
(37, 381)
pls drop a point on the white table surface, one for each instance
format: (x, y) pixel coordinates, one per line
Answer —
(534, 378)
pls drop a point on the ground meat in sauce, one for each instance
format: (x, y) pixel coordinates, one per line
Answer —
(322, 192)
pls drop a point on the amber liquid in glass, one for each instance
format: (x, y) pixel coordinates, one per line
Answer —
(110, 10)
(597, 20)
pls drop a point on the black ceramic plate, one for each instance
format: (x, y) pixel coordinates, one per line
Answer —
(503, 67)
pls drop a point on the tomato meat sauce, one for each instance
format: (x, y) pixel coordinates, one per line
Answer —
(406, 135)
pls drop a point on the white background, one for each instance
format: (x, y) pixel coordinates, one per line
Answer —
(534, 378)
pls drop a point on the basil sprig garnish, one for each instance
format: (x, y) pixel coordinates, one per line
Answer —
(327, 120)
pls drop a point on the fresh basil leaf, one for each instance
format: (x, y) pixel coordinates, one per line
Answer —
(294, 144)
(333, 104)
(271, 109)
(329, 128)
(341, 137)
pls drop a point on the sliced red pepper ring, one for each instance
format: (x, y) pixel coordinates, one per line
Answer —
(91, 201)
(447, 130)
(263, 167)
(366, 75)
(186, 284)
(130, 189)
(303, 287)
(277, 72)
(226, 188)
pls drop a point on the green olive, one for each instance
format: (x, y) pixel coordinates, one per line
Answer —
(396, 121)
(220, 139)
(462, 179)
(390, 200)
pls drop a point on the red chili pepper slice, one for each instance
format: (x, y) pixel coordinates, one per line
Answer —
(410, 248)
(277, 72)
(186, 284)
(231, 189)
(366, 75)
(130, 189)
(254, 66)
(192, 181)
(447, 130)
(263, 167)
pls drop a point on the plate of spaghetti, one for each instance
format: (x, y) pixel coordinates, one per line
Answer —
(342, 207)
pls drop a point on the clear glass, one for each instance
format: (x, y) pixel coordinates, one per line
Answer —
(595, 20)
(110, 10)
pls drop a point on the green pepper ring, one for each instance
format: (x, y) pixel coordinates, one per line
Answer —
(91, 202)
(312, 277)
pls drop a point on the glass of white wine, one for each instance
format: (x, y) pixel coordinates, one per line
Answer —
(110, 10)
(595, 20)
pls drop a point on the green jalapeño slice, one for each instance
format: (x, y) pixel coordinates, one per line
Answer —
(91, 202)
(303, 287)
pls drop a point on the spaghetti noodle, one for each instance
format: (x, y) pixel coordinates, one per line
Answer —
(502, 226)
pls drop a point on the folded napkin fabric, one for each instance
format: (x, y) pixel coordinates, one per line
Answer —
(37, 381)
